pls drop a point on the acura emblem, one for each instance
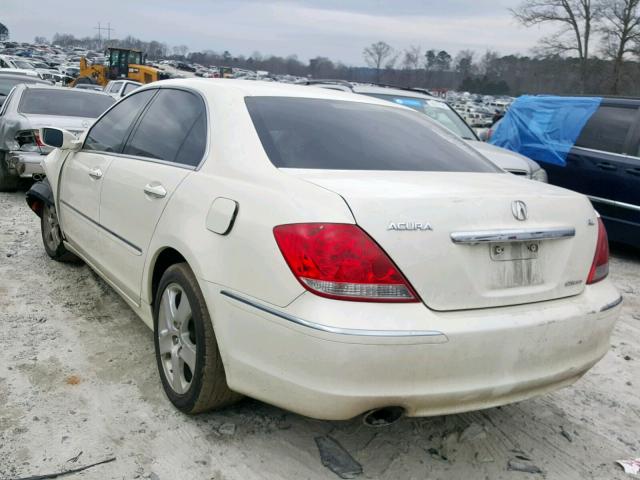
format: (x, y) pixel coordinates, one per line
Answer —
(519, 210)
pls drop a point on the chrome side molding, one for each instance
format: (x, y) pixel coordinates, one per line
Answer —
(611, 305)
(615, 203)
(328, 328)
(512, 235)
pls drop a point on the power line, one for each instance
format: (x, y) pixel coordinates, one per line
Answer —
(107, 29)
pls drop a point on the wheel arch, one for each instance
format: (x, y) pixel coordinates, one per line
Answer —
(38, 195)
(162, 260)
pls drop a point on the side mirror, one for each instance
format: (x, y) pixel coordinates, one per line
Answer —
(57, 138)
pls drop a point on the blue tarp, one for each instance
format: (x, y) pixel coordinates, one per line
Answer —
(544, 128)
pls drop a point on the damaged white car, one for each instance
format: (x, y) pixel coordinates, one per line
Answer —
(29, 107)
(328, 253)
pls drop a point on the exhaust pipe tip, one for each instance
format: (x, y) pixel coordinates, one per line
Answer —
(383, 417)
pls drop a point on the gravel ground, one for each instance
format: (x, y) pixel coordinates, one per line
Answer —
(78, 384)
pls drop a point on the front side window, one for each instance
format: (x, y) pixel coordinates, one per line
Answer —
(109, 133)
(173, 129)
(607, 129)
(64, 102)
(348, 135)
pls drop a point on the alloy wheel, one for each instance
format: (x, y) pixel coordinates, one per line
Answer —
(176, 338)
(51, 229)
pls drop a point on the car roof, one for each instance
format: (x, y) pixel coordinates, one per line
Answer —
(244, 88)
(124, 80)
(365, 88)
(48, 86)
(376, 89)
(25, 78)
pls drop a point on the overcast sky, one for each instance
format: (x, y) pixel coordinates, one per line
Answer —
(338, 29)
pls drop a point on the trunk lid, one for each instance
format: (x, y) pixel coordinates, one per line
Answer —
(413, 215)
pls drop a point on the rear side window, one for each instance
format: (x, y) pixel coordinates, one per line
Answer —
(64, 102)
(344, 135)
(607, 129)
(173, 129)
(109, 133)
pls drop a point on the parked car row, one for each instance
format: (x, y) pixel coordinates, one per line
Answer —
(328, 252)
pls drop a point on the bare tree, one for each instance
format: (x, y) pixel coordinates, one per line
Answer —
(488, 63)
(577, 19)
(621, 33)
(180, 50)
(412, 58)
(376, 54)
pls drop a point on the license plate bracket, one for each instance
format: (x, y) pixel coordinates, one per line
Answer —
(503, 252)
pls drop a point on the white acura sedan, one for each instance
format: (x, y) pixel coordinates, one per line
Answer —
(328, 253)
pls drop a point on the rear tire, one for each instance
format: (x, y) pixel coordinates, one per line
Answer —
(187, 353)
(52, 236)
(8, 182)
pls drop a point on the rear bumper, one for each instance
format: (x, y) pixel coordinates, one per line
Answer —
(430, 363)
(25, 164)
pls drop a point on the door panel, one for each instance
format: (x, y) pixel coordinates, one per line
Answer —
(604, 165)
(134, 195)
(80, 185)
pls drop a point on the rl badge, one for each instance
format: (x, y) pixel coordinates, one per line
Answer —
(409, 226)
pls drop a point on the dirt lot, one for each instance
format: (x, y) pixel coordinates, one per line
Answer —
(78, 379)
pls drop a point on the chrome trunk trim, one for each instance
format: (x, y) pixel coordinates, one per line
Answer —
(512, 235)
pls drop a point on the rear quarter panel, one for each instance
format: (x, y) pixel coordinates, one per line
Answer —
(247, 259)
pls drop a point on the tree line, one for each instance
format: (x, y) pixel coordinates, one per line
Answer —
(595, 50)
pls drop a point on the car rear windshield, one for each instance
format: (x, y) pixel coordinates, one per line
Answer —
(6, 84)
(437, 110)
(65, 103)
(346, 135)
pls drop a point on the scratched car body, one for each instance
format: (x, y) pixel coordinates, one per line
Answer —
(326, 252)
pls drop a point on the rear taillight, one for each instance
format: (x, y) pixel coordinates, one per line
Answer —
(29, 140)
(600, 266)
(341, 261)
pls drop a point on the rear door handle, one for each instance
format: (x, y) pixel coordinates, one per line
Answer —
(633, 171)
(606, 166)
(95, 173)
(155, 190)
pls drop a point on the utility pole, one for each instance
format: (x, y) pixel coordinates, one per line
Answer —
(107, 29)
(99, 33)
